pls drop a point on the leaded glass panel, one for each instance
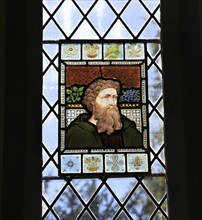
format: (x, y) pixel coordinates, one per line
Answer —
(142, 196)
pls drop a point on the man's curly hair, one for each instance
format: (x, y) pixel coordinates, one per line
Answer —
(94, 89)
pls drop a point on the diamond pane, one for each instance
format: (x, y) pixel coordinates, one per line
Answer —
(51, 188)
(152, 31)
(155, 84)
(102, 203)
(51, 50)
(50, 85)
(122, 186)
(85, 31)
(86, 188)
(50, 170)
(101, 17)
(156, 186)
(140, 205)
(68, 16)
(68, 205)
(135, 16)
(157, 167)
(118, 31)
(156, 132)
(50, 133)
(51, 32)
(153, 49)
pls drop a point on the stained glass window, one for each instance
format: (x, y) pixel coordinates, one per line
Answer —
(125, 149)
(83, 41)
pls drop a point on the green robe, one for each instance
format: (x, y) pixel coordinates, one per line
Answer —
(81, 134)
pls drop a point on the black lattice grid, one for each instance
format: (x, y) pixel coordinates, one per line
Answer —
(139, 191)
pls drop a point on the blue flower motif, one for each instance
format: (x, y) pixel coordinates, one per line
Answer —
(131, 95)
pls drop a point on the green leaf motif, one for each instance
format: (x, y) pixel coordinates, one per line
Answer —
(78, 98)
(74, 94)
(68, 91)
(74, 88)
(81, 89)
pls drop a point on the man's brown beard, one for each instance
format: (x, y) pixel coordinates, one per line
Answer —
(108, 119)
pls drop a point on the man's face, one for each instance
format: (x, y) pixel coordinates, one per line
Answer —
(106, 97)
(106, 112)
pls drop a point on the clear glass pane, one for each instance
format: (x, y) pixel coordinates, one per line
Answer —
(102, 203)
(156, 132)
(135, 16)
(156, 186)
(140, 205)
(155, 84)
(119, 31)
(86, 187)
(101, 16)
(50, 85)
(50, 133)
(117, 186)
(85, 31)
(50, 169)
(152, 31)
(68, 17)
(85, 5)
(68, 205)
(51, 32)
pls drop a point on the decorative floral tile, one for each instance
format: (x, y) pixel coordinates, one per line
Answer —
(92, 51)
(71, 51)
(71, 163)
(114, 163)
(134, 51)
(137, 162)
(113, 51)
(92, 163)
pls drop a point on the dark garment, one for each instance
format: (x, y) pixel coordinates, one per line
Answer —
(113, 140)
(81, 133)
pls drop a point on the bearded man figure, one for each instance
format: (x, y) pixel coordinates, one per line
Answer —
(103, 126)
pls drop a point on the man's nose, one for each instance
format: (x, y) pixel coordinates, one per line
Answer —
(112, 101)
